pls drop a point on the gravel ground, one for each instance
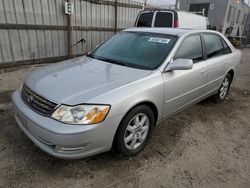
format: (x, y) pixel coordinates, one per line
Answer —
(207, 145)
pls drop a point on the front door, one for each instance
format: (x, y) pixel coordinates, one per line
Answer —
(183, 87)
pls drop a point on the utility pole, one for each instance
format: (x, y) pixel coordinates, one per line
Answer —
(115, 16)
(144, 5)
(177, 5)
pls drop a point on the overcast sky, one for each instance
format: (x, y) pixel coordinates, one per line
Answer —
(158, 2)
(171, 2)
(247, 2)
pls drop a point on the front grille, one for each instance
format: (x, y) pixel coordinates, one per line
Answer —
(37, 103)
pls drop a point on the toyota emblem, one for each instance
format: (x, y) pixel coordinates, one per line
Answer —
(31, 99)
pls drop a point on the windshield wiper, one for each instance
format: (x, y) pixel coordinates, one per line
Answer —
(111, 61)
(90, 55)
(106, 59)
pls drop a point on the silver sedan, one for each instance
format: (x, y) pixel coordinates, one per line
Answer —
(113, 97)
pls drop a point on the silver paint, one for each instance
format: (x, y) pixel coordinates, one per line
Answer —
(86, 80)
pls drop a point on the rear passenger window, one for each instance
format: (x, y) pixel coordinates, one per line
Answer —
(191, 48)
(163, 19)
(145, 19)
(213, 45)
(227, 49)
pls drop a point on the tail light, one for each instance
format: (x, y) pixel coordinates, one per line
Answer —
(176, 23)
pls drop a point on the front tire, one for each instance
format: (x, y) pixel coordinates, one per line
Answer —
(223, 90)
(134, 131)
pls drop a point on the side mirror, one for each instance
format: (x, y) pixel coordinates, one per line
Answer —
(180, 64)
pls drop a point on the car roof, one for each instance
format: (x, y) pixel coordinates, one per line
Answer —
(170, 31)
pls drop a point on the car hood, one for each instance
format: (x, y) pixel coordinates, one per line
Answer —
(78, 80)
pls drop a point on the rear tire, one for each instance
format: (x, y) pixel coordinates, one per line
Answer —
(134, 131)
(223, 90)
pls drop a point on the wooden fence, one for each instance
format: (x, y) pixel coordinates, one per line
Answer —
(35, 31)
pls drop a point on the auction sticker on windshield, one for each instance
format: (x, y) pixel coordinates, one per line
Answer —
(159, 40)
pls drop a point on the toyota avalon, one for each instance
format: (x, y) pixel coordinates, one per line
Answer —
(113, 97)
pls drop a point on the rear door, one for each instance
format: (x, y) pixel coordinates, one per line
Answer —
(164, 19)
(184, 87)
(145, 19)
(217, 60)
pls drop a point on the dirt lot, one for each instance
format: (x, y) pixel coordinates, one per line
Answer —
(208, 145)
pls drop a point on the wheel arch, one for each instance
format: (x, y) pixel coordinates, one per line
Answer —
(148, 103)
(231, 72)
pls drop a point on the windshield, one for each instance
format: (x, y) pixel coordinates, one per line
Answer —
(135, 49)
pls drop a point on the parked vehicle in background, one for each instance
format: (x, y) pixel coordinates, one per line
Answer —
(114, 96)
(171, 18)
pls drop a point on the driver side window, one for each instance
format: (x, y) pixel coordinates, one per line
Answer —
(191, 48)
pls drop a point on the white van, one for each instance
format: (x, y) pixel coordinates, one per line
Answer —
(171, 18)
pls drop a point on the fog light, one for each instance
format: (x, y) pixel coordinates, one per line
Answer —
(69, 149)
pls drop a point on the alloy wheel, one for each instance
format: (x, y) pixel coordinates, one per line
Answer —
(224, 88)
(136, 131)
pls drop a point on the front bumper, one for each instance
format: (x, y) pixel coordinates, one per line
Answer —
(62, 140)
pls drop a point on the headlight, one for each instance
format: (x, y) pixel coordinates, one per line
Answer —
(81, 114)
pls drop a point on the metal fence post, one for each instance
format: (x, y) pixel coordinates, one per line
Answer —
(69, 32)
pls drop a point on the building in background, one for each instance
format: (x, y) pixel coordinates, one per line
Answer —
(247, 29)
(223, 15)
